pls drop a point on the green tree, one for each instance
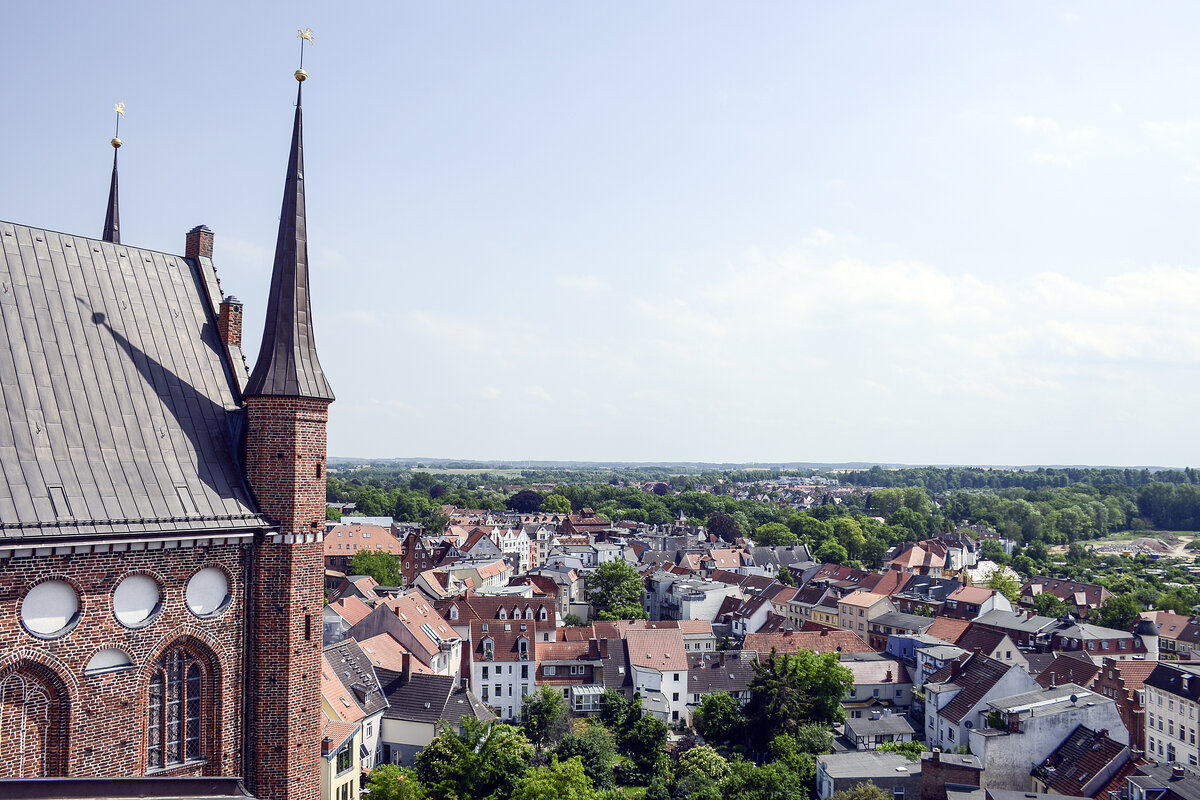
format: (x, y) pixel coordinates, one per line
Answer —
(544, 717)
(724, 527)
(702, 760)
(785, 577)
(1120, 612)
(1003, 581)
(482, 760)
(719, 718)
(774, 534)
(595, 747)
(788, 691)
(556, 504)
(910, 750)
(850, 535)
(436, 521)
(333, 514)
(616, 711)
(643, 742)
(573, 621)
(393, 782)
(785, 749)
(525, 501)
(561, 780)
(772, 781)
(421, 482)
(831, 552)
(863, 791)
(615, 589)
(814, 738)
(383, 567)
(1049, 605)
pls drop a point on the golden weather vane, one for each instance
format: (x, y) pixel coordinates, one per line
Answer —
(120, 109)
(304, 35)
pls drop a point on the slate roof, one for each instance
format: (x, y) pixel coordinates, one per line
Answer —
(983, 640)
(728, 671)
(118, 404)
(976, 674)
(429, 699)
(1016, 621)
(899, 619)
(1068, 669)
(1078, 760)
(353, 670)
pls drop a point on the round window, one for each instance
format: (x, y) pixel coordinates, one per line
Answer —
(207, 592)
(50, 609)
(136, 600)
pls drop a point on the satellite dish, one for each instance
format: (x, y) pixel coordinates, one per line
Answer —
(968, 725)
(1074, 698)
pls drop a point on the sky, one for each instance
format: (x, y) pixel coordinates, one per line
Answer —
(940, 233)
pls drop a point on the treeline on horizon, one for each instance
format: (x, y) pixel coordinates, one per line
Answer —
(1055, 506)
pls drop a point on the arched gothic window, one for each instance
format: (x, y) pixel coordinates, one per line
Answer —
(32, 724)
(174, 710)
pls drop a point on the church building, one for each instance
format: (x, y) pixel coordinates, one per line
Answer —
(161, 510)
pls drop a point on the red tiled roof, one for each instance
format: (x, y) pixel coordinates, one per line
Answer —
(351, 609)
(823, 641)
(1082, 755)
(656, 649)
(862, 599)
(948, 629)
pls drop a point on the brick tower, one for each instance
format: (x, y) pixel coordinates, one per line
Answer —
(287, 400)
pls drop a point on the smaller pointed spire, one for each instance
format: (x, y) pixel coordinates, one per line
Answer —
(112, 216)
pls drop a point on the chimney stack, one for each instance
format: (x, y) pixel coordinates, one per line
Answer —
(229, 322)
(936, 755)
(199, 242)
(1014, 722)
(406, 669)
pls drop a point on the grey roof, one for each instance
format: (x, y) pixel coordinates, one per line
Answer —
(112, 216)
(724, 671)
(354, 670)
(1045, 702)
(1019, 794)
(864, 726)
(867, 764)
(429, 699)
(1159, 776)
(287, 364)
(899, 619)
(118, 411)
(1016, 621)
(162, 788)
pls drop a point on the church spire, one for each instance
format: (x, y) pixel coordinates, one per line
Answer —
(112, 216)
(287, 364)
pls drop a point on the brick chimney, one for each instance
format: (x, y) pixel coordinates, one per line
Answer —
(199, 242)
(229, 320)
(1014, 722)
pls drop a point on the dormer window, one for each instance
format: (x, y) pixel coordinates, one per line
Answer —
(453, 612)
(542, 615)
(523, 648)
(503, 613)
(528, 612)
(489, 650)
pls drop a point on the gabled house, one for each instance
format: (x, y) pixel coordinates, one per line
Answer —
(503, 663)
(955, 695)
(1083, 598)
(724, 671)
(659, 667)
(350, 692)
(1124, 683)
(1081, 765)
(858, 608)
(994, 644)
(971, 602)
(417, 705)
(412, 622)
(880, 684)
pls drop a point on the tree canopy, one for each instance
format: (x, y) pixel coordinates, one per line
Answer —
(788, 691)
(615, 589)
(382, 566)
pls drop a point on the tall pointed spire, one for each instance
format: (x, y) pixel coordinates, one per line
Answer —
(287, 364)
(112, 215)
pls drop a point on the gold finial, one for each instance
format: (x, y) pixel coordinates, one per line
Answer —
(304, 35)
(120, 109)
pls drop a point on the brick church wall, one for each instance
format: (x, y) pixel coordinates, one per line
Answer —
(104, 717)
